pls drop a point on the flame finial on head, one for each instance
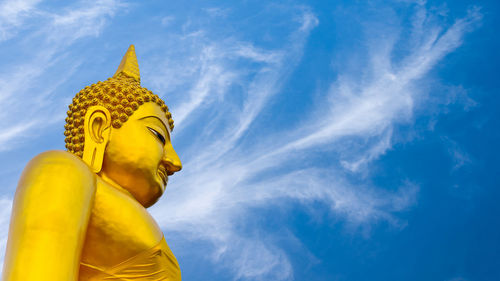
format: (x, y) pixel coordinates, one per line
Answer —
(129, 65)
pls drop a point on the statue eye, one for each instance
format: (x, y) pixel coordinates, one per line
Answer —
(158, 135)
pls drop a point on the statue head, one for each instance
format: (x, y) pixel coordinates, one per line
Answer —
(122, 131)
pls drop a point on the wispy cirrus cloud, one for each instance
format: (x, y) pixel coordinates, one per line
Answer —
(87, 19)
(13, 14)
(38, 51)
(224, 180)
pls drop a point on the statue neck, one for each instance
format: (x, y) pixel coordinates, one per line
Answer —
(112, 183)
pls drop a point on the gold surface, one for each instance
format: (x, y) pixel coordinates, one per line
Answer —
(129, 65)
(81, 215)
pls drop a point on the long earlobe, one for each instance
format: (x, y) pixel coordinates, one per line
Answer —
(97, 128)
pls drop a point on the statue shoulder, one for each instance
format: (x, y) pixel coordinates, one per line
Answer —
(60, 159)
(50, 214)
(58, 168)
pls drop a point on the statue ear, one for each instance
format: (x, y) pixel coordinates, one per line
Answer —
(97, 128)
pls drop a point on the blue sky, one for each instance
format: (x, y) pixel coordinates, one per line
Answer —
(321, 140)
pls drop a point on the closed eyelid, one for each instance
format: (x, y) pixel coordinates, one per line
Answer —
(158, 135)
(157, 120)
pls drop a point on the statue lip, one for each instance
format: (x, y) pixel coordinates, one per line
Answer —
(163, 175)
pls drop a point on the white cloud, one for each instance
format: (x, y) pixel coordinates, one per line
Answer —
(86, 20)
(223, 181)
(255, 260)
(217, 12)
(47, 45)
(167, 20)
(212, 79)
(369, 107)
(13, 13)
(459, 157)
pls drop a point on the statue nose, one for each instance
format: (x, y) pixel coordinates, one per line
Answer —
(171, 160)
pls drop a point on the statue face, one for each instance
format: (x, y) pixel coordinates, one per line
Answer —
(139, 156)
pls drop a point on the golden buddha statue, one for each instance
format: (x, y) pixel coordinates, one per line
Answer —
(81, 214)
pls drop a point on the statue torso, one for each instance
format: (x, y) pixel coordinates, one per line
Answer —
(119, 229)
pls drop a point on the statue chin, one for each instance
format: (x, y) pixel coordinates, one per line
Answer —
(147, 194)
(149, 198)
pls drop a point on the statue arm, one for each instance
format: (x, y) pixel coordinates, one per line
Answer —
(49, 219)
